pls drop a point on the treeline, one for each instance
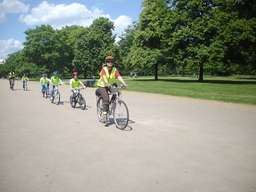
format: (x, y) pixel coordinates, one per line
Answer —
(47, 50)
(181, 37)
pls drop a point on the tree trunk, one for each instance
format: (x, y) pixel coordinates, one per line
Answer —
(156, 71)
(201, 72)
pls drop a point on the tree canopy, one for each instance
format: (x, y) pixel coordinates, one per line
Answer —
(181, 37)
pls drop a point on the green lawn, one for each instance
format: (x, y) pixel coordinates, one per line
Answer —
(228, 89)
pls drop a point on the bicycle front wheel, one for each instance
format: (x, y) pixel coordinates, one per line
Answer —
(72, 101)
(57, 99)
(121, 115)
(82, 103)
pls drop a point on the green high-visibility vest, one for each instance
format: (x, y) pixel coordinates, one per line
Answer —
(55, 80)
(75, 83)
(44, 80)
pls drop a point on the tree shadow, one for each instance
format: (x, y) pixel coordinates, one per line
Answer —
(212, 81)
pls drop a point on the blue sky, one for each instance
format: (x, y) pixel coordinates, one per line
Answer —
(16, 16)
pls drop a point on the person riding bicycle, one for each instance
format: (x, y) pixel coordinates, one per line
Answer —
(55, 81)
(44, 81)
(75, 83)
(24, 80)
(11, 78)
(108, 75)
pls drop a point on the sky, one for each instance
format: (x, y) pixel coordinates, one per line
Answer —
(16, 16)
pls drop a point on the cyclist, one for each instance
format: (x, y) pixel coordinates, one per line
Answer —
(75, 83)
(24, 80)
(55, 81)
(108, 75)
(44, 81)
(11, 78)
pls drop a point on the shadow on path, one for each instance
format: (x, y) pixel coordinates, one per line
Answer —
(128, 128)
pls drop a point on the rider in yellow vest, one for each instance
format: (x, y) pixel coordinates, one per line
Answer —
(24, 80)
(75, 83)
(44, 81)
(108, 75)
(55, 81)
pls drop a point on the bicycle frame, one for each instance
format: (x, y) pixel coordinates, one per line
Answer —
(115, 93)
(55, 90)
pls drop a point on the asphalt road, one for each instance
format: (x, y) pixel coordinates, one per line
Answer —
(172, 144)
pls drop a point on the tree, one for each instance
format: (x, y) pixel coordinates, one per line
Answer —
(149, 36)
(43, 47)
(68, 37)
(93, 45)
(125, 45)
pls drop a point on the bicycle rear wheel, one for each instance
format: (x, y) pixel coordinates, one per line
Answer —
(121, 114)
(100, 109)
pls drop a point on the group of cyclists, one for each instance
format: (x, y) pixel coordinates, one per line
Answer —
(24, 80)
(108, 75)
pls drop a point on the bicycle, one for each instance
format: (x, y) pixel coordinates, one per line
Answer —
(118, 109)
(77, 97)
(25, 85)
(55, 95)
(11, 81)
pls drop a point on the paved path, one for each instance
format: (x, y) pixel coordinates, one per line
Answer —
(174, 144)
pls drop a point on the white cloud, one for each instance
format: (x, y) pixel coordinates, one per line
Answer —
(60, 15)
(11, 6)
(9, 46)
(121, 23)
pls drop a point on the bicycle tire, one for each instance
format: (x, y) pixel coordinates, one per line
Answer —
(99, 109)
(58, 98)
(72, 101)
(82, 102)
(123, 125)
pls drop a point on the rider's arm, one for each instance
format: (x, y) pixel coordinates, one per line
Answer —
(121, 80)
(61, 82)
(119, 77)
(70, 84)
(82, 85)
(50, 80)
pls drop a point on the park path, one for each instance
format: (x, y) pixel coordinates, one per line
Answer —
(172, 144)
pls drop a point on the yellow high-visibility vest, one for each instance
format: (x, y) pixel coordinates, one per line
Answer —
(107, 78)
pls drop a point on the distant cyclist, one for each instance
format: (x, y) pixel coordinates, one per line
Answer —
(44, 81)
(108, 75)
(25, 80)
(55, 81)
(11, 78)
(75, 83)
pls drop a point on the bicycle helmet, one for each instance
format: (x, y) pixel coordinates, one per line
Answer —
(109, 58)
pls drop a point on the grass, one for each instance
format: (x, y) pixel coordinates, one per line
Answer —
(228, 89)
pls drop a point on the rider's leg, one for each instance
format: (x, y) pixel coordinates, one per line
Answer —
(53, 87)
(104, 94)
(43, 90)
(23, 84)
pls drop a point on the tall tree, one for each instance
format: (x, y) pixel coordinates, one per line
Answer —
(149, 36)
(93, 45)
(43, 47)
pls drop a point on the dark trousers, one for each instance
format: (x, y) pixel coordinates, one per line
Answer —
(103, 92)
